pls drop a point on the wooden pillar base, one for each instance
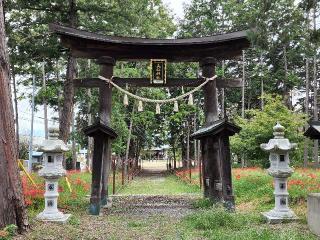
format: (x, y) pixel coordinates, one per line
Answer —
(102, 135)
(104, 199)
(217, 180)
(94, 208)
(96, 176)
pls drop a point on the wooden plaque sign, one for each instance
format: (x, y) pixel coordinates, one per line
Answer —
(158, 71)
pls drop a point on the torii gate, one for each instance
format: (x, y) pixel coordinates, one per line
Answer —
(206, 51)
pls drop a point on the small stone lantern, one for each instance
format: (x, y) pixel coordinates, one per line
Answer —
(279, 148)
(52, 170)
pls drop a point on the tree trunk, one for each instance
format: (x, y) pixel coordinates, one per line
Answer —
(306, 106)
(60, 92)
(243, 82)
(13, 75)
(68, 98)
(45, 108)
(286, 91)
(222, 94)
(74, 149)
(195, 141)
(68, 89)
(174, 156)
(188, 146)
(262, 84)
(129, 140)
(183, 142)
(90, 140)
(242, 97)
(12, 208)
(32, 124)
(188, 151)
(315, 94)
(315, 109)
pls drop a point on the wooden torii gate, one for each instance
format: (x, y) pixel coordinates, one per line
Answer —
(206, 51)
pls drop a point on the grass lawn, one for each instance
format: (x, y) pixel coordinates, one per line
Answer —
(163, 185)
(253, 190)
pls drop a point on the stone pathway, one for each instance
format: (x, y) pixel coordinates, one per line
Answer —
(172, 206)
(146, 204)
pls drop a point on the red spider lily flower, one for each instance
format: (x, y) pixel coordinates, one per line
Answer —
(312, 175)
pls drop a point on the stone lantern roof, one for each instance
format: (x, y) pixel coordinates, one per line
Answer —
(53, 144)
(278, 142)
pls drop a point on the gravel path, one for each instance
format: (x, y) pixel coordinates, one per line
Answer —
(170, 205)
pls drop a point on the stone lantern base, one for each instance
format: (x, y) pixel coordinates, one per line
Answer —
(275, 216)
(58, 217)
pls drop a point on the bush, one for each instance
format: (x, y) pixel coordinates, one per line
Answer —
(258, 128)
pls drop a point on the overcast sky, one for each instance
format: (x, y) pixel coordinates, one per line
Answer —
(176, 6)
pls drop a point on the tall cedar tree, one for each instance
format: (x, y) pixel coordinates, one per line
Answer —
(68, 90)
(12, 208)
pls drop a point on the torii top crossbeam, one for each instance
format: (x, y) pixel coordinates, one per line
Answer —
(85, 44)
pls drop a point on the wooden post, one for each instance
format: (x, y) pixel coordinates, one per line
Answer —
(212, 160)
(226, 172)
(100, 132)
(105, 100)
(203, 170)
(188, 150)
(210, 91)
(122, 172)
(200, 171)
(114, 168)
(128, 170)
(216, 157)
(95, 199)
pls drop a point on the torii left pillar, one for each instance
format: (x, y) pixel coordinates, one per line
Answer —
(102, 144)
(105, 100)
(102, 137)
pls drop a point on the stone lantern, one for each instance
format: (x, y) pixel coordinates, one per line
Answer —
(52, 170)
(279, 148)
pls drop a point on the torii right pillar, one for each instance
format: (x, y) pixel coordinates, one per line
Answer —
(215, 146)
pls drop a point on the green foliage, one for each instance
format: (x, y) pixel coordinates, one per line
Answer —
(8, 232)
(281, 38)
(260, 181)
(23, 150)
(203, 203)
(258, 129)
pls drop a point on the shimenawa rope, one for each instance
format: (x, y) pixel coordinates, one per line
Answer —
(159, 101)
